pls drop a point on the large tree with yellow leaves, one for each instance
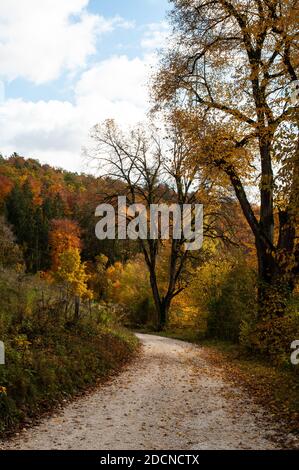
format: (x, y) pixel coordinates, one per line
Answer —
(231, 67)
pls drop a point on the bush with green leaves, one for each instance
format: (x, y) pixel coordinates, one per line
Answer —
(231, 303)
(224, 291)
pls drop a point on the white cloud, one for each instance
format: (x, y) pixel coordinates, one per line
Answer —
(2, 92)
(49, 131)
(115, 83)
(54, 131)
(155, 37)
(39, 39)
(122, 23)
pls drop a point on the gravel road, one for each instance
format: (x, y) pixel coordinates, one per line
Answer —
(170, 397)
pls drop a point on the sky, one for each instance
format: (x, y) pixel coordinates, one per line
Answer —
(66, 65)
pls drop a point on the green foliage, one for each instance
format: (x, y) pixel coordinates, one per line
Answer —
(30, 227)
(49, 356)
(224, 292)
(231, 303)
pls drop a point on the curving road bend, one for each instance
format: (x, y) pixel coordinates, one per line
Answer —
(168, 398)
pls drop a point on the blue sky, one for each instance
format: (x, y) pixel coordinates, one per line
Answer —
(67, 64)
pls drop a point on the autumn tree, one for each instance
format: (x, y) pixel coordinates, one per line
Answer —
(135, 297)
(67, 267)
(32, 195)
(10, 252)
(6, 186)
(98, 277)
(152, 166)
(71, 273)
(64, 236)
(234, 63)
(29, 225)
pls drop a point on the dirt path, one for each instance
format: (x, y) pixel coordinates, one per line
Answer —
(168, 399)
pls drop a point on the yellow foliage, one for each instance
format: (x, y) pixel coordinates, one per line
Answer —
(72, 272)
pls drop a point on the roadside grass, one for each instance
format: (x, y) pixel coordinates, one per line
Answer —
(51, 355)
(37, 381)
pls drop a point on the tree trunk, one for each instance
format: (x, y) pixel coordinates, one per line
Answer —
(272, 299)
(161, 304)
(163, 315)
(157, 299)
(266, 209)
(77, 307)
(274, 285)
(166, 307)
(276, 281)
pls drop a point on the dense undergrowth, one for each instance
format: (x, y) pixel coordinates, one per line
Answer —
(50, 355)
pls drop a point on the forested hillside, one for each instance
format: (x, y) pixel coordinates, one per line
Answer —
(212, 146)
(58, 339)
(48, 217)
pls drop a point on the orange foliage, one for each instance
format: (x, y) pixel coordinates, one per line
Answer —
(36, 187)
(64, 236)
(6, 186)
